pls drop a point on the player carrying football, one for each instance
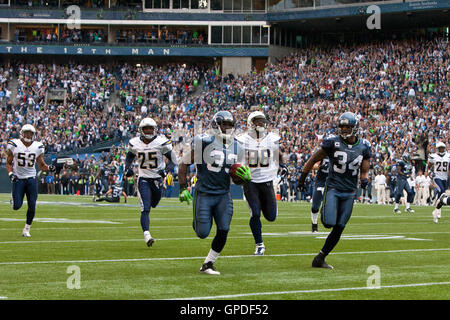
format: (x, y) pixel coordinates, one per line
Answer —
(213, 155)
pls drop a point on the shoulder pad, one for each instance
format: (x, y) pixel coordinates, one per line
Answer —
(274, 136)
(366, 142)
(12, 143)
(165, 141)
(241, 137)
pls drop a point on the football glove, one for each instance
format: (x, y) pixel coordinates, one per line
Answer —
(301, 182)
(244, 173)
(51, 168)
(13, 177)
(185, 196)
(364, 183)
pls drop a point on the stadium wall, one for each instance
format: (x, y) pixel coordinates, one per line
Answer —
(5, 187)
(236, 65)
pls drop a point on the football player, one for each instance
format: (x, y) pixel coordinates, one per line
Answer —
(439, 165)
(23, 154)
(349, 156)
(443, 200)
(392, 183)
(322, 168)
(113, 194)
(213, 155)
(263, 156)
(150, 149)
(404, 171)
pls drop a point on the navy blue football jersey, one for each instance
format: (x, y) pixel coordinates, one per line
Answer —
(404, 169)
(345, 162)
(213, 161)
(392, 176)
(116, 191)
(322, 172)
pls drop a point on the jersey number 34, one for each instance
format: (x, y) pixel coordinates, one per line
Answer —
(341, 157)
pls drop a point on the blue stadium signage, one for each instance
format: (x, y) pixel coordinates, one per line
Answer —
(130, 51)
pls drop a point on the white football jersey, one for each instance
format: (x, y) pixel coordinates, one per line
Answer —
(25, 157)
(441, 165)
(150, 156)
(262, 156)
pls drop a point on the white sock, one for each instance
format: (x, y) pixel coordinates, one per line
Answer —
(396, 206)
(27, 227)
(314, 217)
(147, 233)
(212, 256)
(407, 205)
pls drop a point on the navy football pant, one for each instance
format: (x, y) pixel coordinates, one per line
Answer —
(27, 187)
(149, 193)
(402, 184)
(209, 207)
(260, 197)
(336, 211)
(336, 208)
(317, 198)
(441, 186)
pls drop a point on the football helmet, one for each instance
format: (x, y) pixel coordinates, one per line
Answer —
(351, 120)
(257, 115)
(440, 145)
(147, 122)
(223, 125)
(27, 128)
(406, 157)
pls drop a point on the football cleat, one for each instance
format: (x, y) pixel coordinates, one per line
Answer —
(440, 201)
(410, 210)
(149, 240)
(208, 268)
(397, 211)
(436, 214)
(26, 234)
(319, 262)
(260, 249)
(314, 228)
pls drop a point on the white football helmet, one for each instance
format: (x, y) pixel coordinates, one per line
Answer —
(25, 128)
(256, 115)
(440, 144)
(147, 122)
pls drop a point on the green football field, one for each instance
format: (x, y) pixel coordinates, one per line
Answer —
(82, 250)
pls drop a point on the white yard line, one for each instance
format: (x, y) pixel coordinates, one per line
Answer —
(221, 257)
(232, 296)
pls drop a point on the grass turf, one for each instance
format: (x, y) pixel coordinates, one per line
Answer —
(105, 242)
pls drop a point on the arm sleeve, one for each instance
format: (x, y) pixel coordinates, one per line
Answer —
(40, 150)
(129, 159)
(367, 154)
(11, 146)
(328, 146)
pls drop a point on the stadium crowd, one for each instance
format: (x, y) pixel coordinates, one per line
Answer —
(400, 89)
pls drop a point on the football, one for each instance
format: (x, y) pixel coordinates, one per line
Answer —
(234, 177)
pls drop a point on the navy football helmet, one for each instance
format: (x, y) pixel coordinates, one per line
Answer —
(406, 157)
(223, 124)
(351, 120)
